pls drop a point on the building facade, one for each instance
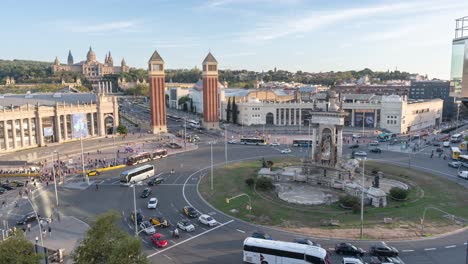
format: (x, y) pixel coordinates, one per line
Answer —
(432, 90)
(90, 68)
(377, 89)
(34, 120)
(157, 95)
(459, 63)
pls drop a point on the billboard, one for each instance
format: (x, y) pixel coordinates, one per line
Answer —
(368, 118)
(48, 131)
(80, 125)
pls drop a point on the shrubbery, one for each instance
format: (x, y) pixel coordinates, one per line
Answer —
(399, 193)
(250, 182)
(264, 183)
(350, 201)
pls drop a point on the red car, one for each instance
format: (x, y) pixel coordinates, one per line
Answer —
(159, 240)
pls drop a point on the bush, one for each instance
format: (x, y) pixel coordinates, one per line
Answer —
(264, 183)
(398, 193)
(349, 201)
(250, 182)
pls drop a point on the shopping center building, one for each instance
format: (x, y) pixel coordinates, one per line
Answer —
(36, 119)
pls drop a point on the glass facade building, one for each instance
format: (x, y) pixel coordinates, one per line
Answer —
(459, 64)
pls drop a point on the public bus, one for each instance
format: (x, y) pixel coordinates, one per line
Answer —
(159, 153)
(253, 141)
(302, 143)
(386, 137)
(464, 160)
(136, 175)
(456, 138)
(259, 251)
(455, 152)
(139, 158)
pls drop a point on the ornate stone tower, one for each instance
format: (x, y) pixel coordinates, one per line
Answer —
(210, 93)
(157, 97)
(70, 58)
(110, 60)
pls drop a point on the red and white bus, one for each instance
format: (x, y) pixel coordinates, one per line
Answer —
(159, 153)
(139, 158)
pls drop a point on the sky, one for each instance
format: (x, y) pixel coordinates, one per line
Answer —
(306, 35)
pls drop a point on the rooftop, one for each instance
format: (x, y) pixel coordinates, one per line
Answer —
(46, 99)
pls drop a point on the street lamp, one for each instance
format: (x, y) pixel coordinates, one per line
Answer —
(237, 196)
(211, 149)
(458, 112)
(85, 176)
(362, 195)
(135, 211)
(225, 143)
(55, 181)
(37, 218)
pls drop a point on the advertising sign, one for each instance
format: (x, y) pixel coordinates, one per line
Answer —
(80, 125)
(48, 131)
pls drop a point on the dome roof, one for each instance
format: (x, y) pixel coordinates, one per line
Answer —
(91, 56)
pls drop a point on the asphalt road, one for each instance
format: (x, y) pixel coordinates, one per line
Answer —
(223, 244)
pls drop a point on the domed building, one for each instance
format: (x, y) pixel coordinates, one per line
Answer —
(91, 68)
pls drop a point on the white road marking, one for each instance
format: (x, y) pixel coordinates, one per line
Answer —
(430, 249)
(407, 250)
(452, 246)
(242, 231)
(144, 241)
(154, 254)
(167, 256)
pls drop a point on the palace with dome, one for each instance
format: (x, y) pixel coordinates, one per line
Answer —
(90, 68)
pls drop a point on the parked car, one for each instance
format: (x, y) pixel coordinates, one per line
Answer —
(286, 151)
(7, 186)
(159, 222)
(261, 234)
(27, 218)
(356, 136)
(376, 150)
(232, 141)
(454, 164)
(155, 181)
(382, 249)
(374, 143)
(354, 146)
(207, 220)
(147, 227)
(146, 192)
(348, 249)
(190, 212)
(463, 174)
(274, 144)
(360, 153)
(158, 240)
(185, 225)
(152, 203)
(306, 241)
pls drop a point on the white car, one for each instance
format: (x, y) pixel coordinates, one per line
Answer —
(360, 153)
(232, 142)
(463, 174)
(285, 151)
(446, 144)
(152, 203)
(185, 225)
(351, 261)
(147, 227)
(274, 144)
(207, 220)
(356, 136)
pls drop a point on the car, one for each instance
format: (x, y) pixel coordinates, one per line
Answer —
(351, 261)
(454, 164)
(152, 203)
(27, 218)
(274, 144)
(7, 186)
(436, 144)
(2, 190)
(360, 153)
(348, 249)
(446, 144)
(356, 136)
(232, 141)
(463, 174)
(146, 192)
(382, 249)
(17, 183)
(147, 227)
(159, 222)
(354, 146)
(262, 235)
(285, 151)
(207, 220)
(93, 173)
(139, 217)
(190, 212)
(374, 143)
(158, 240)
(375, 150)
(439, 149)
(385, 260)
(306, 241)
(185, 225)
(155, 181)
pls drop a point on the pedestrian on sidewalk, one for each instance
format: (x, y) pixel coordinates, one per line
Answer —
(3, 203)
(29, 227)
(97, 187)
(44, 233)
(50, 231)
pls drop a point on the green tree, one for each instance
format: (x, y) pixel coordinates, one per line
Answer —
(121, 129)
(191, 105)
(183, 100)
(250, 182)
(107, 242)
(234, 111)
(228, 110)
(398, 193)
(264, 184)
(184, 107)
(18, 250)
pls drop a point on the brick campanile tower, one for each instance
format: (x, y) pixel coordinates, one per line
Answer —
(210, 93)
(157, 97)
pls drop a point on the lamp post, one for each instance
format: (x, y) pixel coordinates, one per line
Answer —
(115, 151)
(225, 143)
(37, 218)
(237, 196)
(362, 197)
(135, 211)
(211, 149)
(85, 176)
(458, 112)
(55, 181)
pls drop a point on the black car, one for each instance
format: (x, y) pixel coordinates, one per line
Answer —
(17, 184)
(436, 144)
(439, 149)
(382, 249)
(262, 235)
(190, 212)
(376, 150)
(348, 249)
(30, 217)
(2, 190)
(7, 186)
(146, 192)
(155, 181)
(354, 146)
(306, 241)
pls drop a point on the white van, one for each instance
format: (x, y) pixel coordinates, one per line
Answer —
(446, 144)
(463, 174)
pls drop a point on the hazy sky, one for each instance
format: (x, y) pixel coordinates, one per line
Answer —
(308, 35)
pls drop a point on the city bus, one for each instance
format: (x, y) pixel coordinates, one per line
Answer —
(136, 175)
(302, 143)
(455, 152)
(464, 160)
(159, 153)
(456, 138)
(253, 141)
(259, 251)
(139, 158)
(386, 137)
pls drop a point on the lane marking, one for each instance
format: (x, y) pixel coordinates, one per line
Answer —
(154, 254)
(168, 257)
(430, 249)
(407, 250)
(452, 246)
(242, 231)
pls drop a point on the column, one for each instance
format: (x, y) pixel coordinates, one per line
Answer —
(13, 131)
(39, 131)
(92, 124)
(314, 141)
(116, 113)
(339, 145)
(23, 144)
(30, 132)
(375, 118)
(300, 116)
(65, 128)
(352, 117)
(58, 130)
(5, 132)
(291, 116)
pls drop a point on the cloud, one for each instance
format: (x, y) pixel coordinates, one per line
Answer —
(129, 25)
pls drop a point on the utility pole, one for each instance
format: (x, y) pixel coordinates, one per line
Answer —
(225, 144)
(362, 196)
(135, 212)
(85, 176)
(55, 180)
(211, 147)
